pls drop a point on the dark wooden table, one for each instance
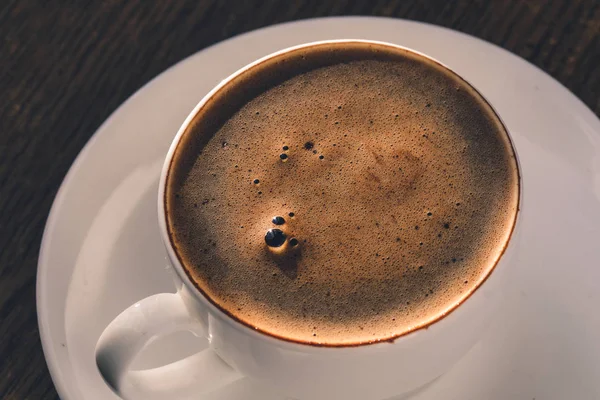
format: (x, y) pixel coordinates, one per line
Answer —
(65, 65)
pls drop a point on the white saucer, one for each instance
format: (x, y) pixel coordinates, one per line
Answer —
(101, 249)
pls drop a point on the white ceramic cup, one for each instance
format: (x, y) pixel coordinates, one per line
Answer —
(371, 371)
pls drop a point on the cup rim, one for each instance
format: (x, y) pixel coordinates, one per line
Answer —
(241, 326)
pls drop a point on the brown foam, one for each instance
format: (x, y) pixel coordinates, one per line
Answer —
(403, 216)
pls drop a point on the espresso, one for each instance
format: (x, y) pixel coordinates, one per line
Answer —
(342, 194)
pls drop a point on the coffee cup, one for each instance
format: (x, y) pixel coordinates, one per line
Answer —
(297, 367)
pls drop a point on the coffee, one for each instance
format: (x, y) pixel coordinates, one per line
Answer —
(341, 194)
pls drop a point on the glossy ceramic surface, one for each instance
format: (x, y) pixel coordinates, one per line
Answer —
(102, 249)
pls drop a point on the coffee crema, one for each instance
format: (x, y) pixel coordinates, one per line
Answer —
(342, 194)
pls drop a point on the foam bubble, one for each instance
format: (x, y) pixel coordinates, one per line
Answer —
(275, 238)
(278, 220)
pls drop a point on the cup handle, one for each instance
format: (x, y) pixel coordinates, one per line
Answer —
(136, 327)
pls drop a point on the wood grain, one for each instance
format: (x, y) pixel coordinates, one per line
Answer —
(65, 65)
